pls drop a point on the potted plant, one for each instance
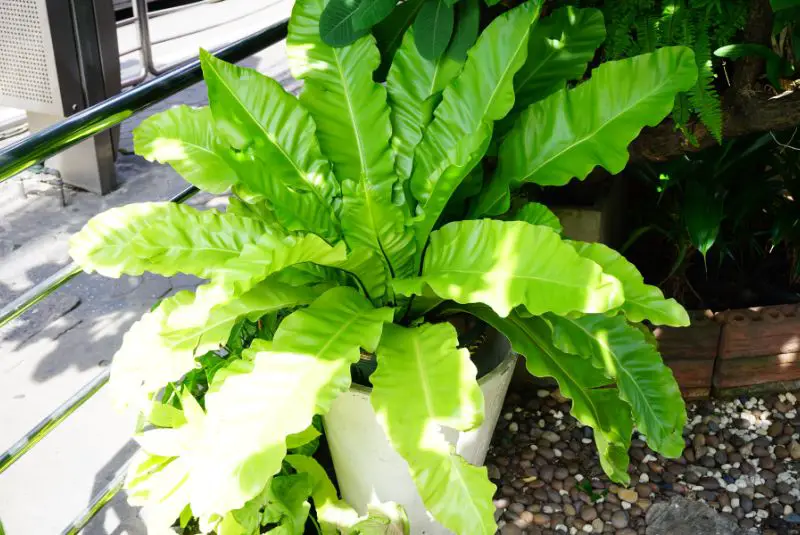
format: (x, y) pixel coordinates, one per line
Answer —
(360, 219)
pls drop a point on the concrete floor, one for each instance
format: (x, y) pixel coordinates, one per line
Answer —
(65, 341)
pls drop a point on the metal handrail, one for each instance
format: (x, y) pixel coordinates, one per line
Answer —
(110, 112)
(54, 139)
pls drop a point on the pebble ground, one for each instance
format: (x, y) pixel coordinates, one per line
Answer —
(742, 458)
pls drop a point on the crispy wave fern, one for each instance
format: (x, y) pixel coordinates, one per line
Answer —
(339, 233)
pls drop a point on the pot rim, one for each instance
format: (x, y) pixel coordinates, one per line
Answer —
(508, 362)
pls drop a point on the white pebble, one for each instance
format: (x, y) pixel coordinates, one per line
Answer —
(547, 510)
(588, 528)
(735, 503)
(578, 477)
(791, 415)
(644, 478)
(557, 452)
(727, 509)
(513, 427)
(762, 514)
(726, 467)
(788, 510)
(625, 505)
(791, 398)
(698, 488)
(573, 530)
(563, 492)
(586, 440)
(731, 488)
(562, 527)
(541, 423)
(542, 393)
(508, 416)
(782, 398)
(534, 447)
(751, 514)
(517, 409)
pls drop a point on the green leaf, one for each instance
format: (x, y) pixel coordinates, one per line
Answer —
(371, 13)
(424, 381)
(256, 262)
(485, 261)
(287, 505)
(265, 297)
(333, 514)
(777, 66)
(278, 155)
(186, 139)
(145, 362)
(645, 383)
(336, 22)
(460, 132)
(389, 33)
(259, 209)
(354, 130)
(642, 301)
(163, 238)
(703, 212)
(415, 85)
(294, 377)
(150, 357)
(703, 96)
(559, 50)
(778, 5)
(434, 27)
(159, 474)
(570, 132)
(187, 240)
(594, 402)
(539, 214)
(467, 26)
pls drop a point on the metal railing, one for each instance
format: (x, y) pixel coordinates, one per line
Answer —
(56, 138)
(141, 17)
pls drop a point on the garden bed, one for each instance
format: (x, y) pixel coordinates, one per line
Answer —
(742, 458)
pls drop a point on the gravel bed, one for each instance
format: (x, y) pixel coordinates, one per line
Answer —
(742, 458)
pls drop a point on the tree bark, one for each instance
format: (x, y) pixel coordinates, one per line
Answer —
(741, 115)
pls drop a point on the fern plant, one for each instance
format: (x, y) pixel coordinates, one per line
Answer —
(335, 244)
(641, 26)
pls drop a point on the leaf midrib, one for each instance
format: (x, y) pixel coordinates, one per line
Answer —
(605, 125)
(543, 347)
(300, 173)
(364, 175)
(618, 362)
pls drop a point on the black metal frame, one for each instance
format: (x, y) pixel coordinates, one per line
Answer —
(63, 135)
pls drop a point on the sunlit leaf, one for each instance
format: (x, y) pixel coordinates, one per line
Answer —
(539, 214)
(186, 139)
(354, 131)
(644, 381)
(594, 402)
(642, 301)
(483, 92)
(297, 375)
(422, 382)
(278, 154)
(479, 262)
(570, 132)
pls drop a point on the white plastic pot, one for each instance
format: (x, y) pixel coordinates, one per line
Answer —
(368, 470)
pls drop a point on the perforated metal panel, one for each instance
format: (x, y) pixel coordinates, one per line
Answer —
(27, 65)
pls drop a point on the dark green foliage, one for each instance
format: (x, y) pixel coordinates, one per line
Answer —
(434, 27)
(336, 26)
(729, 210)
